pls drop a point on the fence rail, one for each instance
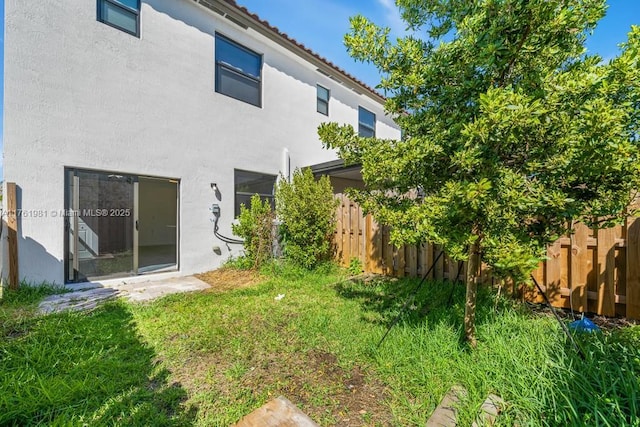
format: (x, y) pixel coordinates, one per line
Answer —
(595, 271)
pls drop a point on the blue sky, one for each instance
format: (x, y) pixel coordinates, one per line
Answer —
(321, 25)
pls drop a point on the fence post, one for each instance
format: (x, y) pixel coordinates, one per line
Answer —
(12, 235)
(633, 268)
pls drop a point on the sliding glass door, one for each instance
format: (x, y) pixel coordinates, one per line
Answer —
(157, 224)
(119, 225)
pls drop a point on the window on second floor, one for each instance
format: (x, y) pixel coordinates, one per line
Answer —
(121, 14)
(366, 123)
(249, 183)
(238, 71)
(323, 100)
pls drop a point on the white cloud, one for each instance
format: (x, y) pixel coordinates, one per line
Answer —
(392, 17)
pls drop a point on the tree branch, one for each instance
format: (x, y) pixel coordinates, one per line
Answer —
(507, 71)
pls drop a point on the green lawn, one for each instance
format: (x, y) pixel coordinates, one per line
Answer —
(210, 358)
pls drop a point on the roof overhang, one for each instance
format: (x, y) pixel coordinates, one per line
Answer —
(241, 16)
(337, 169)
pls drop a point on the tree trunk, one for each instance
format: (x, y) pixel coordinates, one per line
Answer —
(473, 274)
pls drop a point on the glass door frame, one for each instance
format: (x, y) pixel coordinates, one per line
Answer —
(71, 224)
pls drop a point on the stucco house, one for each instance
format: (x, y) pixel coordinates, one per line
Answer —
(130, 126)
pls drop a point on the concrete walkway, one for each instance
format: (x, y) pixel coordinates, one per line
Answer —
(85, 296)
(78, 300)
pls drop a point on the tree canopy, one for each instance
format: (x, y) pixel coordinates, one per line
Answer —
(511, 132)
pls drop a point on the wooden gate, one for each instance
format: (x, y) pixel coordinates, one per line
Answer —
(596, 271)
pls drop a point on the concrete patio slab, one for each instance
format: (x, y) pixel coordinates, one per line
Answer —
(146, 291)
(78, 300)
(85, 296)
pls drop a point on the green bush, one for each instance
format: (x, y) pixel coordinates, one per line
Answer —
(306, 208)
(255, 227)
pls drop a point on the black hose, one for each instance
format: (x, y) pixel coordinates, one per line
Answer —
(453, 283)
(413, 294)
(564, 327)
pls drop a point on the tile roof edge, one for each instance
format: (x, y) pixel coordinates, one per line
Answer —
(252, 16)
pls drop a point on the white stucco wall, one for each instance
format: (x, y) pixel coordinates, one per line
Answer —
(79, 93)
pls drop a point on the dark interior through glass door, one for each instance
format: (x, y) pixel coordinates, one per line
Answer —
(119, 225)
(101, 225)
(157, 225)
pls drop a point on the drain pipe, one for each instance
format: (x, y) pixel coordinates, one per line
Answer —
(286, 165)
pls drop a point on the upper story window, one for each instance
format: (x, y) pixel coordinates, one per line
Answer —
(249, 183)
(366, 123)
(238, 71)
(323, 100)
(121, 14)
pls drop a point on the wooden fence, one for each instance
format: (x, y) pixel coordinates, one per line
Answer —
(595, 271)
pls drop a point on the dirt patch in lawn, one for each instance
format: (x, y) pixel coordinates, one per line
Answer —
(313, 380)
(351, 397)
(225, 279)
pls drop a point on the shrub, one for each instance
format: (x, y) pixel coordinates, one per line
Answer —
(255, 226)
(306, 209)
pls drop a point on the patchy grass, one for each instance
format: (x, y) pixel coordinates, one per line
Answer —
(17, 306)
(80, 368)
(237, 350)
(209, 358)
(27, 295)
(227, 278)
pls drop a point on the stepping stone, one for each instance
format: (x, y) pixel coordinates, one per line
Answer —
(489, 411)
(445, 413)
(278, 412)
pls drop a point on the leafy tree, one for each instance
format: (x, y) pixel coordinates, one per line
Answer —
(511, 132)
(255, 226)
(306, 208)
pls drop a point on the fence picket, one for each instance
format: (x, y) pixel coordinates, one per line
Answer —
(606, 267)
(633, 268)
(594, 270)
(579, 268)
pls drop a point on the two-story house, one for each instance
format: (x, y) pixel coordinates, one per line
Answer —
(131, 125)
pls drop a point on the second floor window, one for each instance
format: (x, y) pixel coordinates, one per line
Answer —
(238, 71)
(121, 14)
(366, 123)
(323, 100)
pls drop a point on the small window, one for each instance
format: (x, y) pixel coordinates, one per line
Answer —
(121, 14)
(366, 123)
(249, 183)
(238, 71)
(323, 100)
